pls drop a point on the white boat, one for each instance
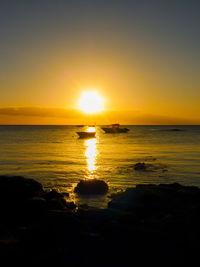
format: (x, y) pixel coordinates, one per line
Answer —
(114, 128)
(86, 135)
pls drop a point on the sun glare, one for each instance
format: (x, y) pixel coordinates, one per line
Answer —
(91, 102)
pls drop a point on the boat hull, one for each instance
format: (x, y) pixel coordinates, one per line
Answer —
(115, 130)
(86, 135)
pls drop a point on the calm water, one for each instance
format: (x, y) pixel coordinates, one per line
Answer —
(55, 156)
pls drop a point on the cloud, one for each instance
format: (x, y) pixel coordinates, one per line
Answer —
(38, 111)
(40, 115)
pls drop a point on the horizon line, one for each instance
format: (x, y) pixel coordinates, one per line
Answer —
(98, 124)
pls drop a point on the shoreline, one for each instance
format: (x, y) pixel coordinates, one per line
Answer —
(146, 224)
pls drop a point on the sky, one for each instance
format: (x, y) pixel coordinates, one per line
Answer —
(142, 56)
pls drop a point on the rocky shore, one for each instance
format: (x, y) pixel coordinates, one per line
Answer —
(148, 224)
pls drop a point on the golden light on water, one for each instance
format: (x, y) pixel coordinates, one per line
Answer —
(91, 102)
(91, 153)
(91, 129)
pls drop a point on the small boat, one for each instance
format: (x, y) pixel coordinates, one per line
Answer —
(86, 135)
(114, 128)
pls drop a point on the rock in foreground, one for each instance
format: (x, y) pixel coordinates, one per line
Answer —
(23, 199)
(147, 225)
(91, 187)
(17, 187)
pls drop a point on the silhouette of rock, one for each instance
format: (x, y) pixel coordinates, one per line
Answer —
(53, 194)
(70, 205)
(176, 130)
(140, 166)
(23, 199)
(18, 187)
(56, 204)
(165, 196)
(91, 187)
(36, 205)
(162, 222)
(56, 200)
(172, 130)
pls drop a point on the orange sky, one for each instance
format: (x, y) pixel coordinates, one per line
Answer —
(143, 59)
(62, 116)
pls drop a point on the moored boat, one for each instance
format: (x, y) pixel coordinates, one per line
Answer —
(86, 135)
(114, 128)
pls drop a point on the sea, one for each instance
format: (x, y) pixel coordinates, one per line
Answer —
(58, 159)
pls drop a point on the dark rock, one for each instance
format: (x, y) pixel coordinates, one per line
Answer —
(123, 200)
(175, 186)
(65, 194)
(55, 200)
(36, 205)
(70, 205)
(18, 187)
(176, 130)
(91, 187)
(161, 221)
(15, 195)
(140, 166)
(172, 130)
(53, 194)
(146, 195)
(56, 204)
(84, 206)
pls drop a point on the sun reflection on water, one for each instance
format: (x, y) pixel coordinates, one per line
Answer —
(91, 154)
(91, 129)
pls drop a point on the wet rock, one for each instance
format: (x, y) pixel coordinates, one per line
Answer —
(15, 195)
(172, 130)
(36, 205)
(161, 220)
(123, 200)
(140, 166)
(55, 200)
(65, 194)
(84, 206)
(70, 205)
(53, 194)
(18, 187)
(56, 204)
(23, 200)
(176, 130)
(157, 198)
(91, 187)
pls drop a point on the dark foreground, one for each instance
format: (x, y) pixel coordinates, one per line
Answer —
(149, 224)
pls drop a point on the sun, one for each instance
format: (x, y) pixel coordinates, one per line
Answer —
(91, 102)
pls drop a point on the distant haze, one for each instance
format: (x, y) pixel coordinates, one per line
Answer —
(62, 116)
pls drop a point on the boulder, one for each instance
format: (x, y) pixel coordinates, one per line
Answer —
(70, 205)
(18, 187)
(56, 204)
(91, 187)
(176, 130)
(20, 199)
(55, 200)
(140, 166)
(36, 205)
(53, 194)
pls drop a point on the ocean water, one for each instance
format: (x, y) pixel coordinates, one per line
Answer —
(57, 158)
